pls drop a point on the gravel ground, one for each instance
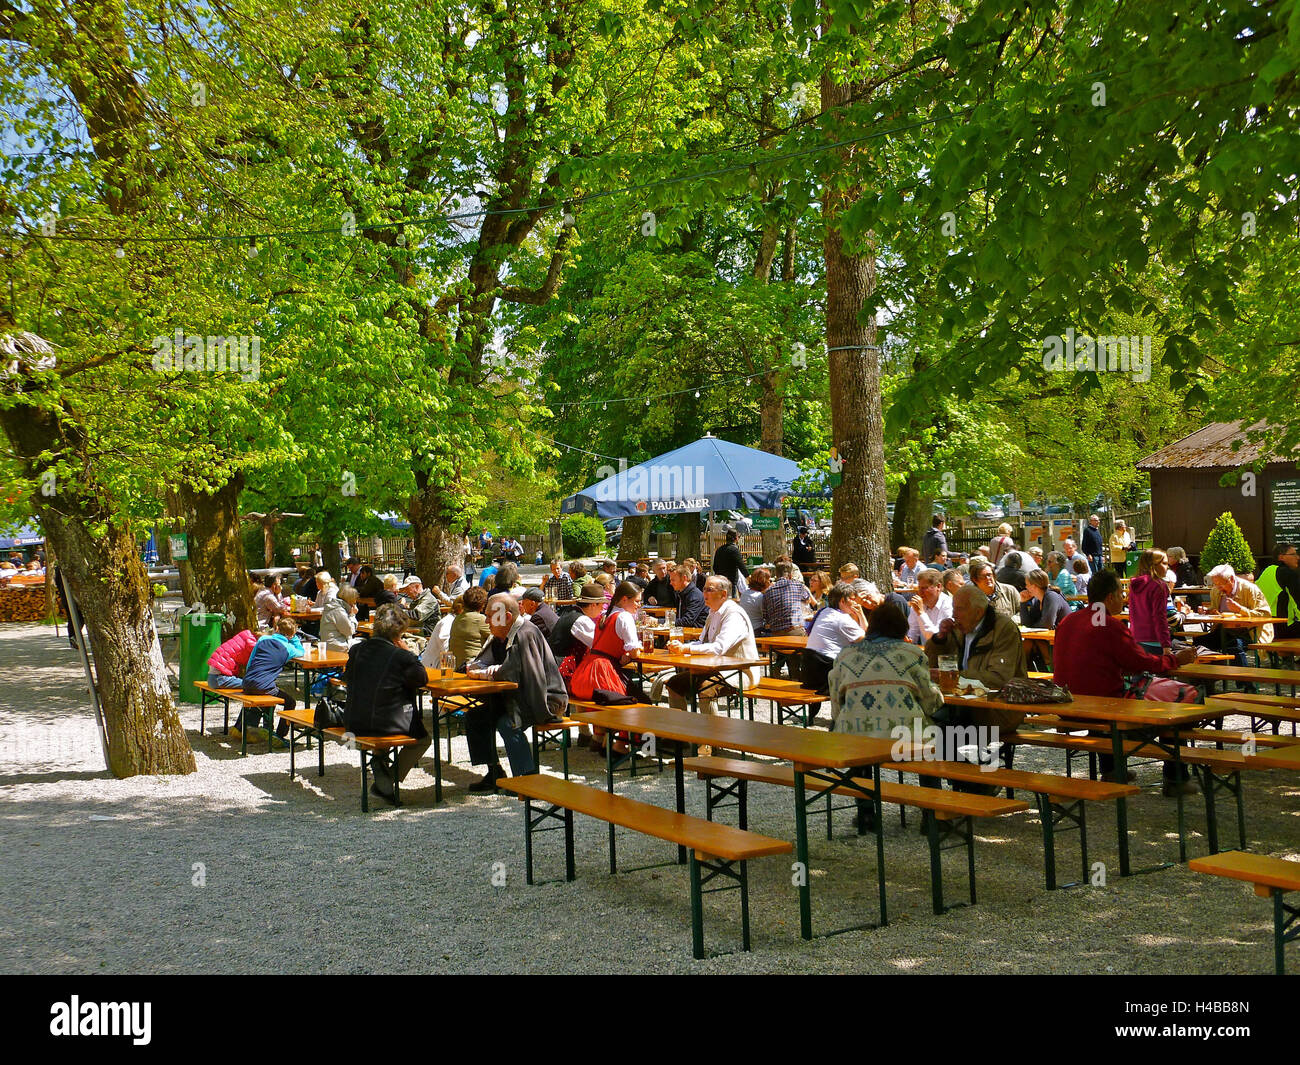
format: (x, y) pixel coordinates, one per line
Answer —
(237, 869)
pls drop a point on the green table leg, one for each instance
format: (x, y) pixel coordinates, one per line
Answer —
(801, 855)
(1121, 804)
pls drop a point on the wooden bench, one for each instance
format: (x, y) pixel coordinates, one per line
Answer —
(1061, 800)
(1219, 770)
(791, 699)
(304, 718)
(616, 762)
(1271, 877)
(207, 693)
(1238, 737)
(553, 731)
(257, 702)
(954, 811)
(1274, 709)
(712, 847)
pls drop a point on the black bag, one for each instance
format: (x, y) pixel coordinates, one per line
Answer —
(605, 697)
(329, 714)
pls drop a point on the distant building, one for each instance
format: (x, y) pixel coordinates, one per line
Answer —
(1187, 498)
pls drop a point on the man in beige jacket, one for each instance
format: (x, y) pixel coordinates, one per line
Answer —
(1230, 594)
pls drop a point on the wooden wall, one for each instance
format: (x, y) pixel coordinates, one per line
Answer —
(1186, 503)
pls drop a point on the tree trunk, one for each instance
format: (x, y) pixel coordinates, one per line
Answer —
(437, 544)
(860, 531)
(635, 541)
(688, 537)
(216, 573)
(97, 552)
(911, 514)
(772, 422)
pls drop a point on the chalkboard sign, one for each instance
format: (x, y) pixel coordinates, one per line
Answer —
(1286, 512)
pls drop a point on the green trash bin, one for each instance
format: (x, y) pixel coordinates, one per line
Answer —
(200, 636)
(1131, 558)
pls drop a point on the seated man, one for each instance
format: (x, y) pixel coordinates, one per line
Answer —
(384, 681)
(558, 585)
(368, 587)
(783, 611)
(691, 608)
(659, 592)
(454, 585)
(517, 652)
(581, 578)
(1230, 594)
(1004, 597)
(641, 578)
(1094, 651)
(270, 607)
(539, 612)
(487, 575)
(421, 606)
(727, 631)
(929, 606)
(987, 646)
(842, 622)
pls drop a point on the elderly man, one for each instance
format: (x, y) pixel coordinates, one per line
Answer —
(987, 646)
(692, 610)
(866, 591)
(454, 585)
(1093, 547)
(1071, 551)
(783, 610)
(421, 606)
(659, 592)
(1094, 652)
(1004, 597)
(952, 580)
(1230, 594)
(517, 652)
(539, 612)
(929, 607)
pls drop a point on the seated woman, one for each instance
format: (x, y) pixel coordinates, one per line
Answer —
(469, 632)
(819, 584)
(384, 681)
(1060, 575)
(389, 594)
(1042, 606)
(842, 622)
(227, 662)
(338, 624)
(1148, 603)
(615, 643)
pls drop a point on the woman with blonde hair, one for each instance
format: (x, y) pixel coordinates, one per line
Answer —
(819, 584)
(1148, 602)
(1001, 544)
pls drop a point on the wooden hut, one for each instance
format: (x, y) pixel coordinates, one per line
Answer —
(1187, 496)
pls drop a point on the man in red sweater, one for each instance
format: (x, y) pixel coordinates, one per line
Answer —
(1094, 651)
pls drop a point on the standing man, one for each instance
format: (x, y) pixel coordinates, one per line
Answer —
(1093, 548)
(934, 539)
(729, 562)
(803, 553)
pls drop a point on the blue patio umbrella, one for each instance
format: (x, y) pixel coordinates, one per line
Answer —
(710, 474)
(26, 536)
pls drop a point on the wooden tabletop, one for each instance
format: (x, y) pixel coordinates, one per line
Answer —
(1041, 635)
(657, 611)
(1232, 620)
(305, 615)
(459, 684)
(1197, 671)
(697, 663)
(1279, 758)
(781, 643)
(332, 660)
(809, 747)
(1281, 647)
(1103, 709)
(688, 632)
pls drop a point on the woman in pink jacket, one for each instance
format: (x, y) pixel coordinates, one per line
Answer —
(226, 666)
(1148, 602)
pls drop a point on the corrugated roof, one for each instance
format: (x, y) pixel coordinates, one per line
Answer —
(1210, 449)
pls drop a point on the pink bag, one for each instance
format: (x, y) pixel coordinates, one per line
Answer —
(1160, 689)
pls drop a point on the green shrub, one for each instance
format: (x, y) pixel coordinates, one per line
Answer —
(582, 536)
(1227, 544)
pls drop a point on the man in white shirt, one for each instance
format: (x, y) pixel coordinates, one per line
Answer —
(453, 586)
(727, 631)
(930, 605)
(1071, 551)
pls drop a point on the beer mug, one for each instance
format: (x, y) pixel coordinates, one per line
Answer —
(948, 674)
(447, 663)
(670, 617)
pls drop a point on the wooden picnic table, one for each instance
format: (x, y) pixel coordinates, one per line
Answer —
(1127, 720)
(312, 662)
(696, 666)
(1278, 647)
(305, 615)
(1209, 675)
(833, 757)
(445, 685)
(781, 643)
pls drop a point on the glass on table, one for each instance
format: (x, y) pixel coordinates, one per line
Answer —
(447, 663)
(948, 674)
(670, 618)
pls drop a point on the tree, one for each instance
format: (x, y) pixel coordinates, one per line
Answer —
(1227, 544)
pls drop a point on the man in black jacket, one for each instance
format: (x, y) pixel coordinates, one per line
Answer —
(1093, 548)
(803, 552)
(691, 608)
(659, 592)
(539, 612)
(934, 539)
(729, 562)
(384, 680)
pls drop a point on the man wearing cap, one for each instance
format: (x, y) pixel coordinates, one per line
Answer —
(420, 604)
(1230, 594)
(539, 612)
(803, 553)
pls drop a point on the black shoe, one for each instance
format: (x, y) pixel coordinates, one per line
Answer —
(382, 771)
(282, 729)
(386, 796)
(866, 819)
(489, 782)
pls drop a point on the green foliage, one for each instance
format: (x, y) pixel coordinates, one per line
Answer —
(1226, 543)
(582, 535)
